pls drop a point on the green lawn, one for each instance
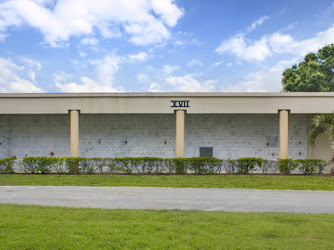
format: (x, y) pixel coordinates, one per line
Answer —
(36, 227)
(199, 181)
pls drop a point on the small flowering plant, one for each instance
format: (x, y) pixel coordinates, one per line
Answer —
(52, 153)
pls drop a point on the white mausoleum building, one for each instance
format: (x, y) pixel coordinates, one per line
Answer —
(223, 125)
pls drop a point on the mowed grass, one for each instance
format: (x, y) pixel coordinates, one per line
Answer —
(37, 227)
(198, 181)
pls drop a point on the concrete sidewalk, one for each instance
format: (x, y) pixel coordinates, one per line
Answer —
(207, 199)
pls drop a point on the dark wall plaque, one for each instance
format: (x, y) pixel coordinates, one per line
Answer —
(180, 104)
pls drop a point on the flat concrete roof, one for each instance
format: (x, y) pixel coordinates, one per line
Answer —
(167, 103)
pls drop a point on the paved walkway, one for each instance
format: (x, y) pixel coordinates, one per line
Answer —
(207, 199)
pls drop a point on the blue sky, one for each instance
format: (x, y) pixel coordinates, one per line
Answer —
(157, 45)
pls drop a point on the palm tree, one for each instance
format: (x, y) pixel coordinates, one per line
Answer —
(323, 124)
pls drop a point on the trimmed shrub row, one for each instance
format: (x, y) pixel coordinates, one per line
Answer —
(306, 166)
(7, 165)
(155, 165)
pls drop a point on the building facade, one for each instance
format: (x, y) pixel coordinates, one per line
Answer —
(223, 125)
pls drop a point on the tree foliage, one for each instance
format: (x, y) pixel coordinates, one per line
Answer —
(323, 123)
(314, 74)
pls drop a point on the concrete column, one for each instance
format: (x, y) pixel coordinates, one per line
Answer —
(283, 133)
(309, 146)
(74, 132)
(180, 114)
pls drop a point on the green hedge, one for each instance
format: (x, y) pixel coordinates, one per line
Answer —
(140, 165)
(246, 165)
(6, 165)
(155, 165)
(306, 166)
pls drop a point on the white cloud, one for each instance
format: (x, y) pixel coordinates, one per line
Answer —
(12, 79)
(89, 41)
(194, 62)
(105, 70)
(143, 78)
(275, 43)
(31, 63)
(144, 34)
(82, 54)
(183, 83)
(140, 57)
(146, 21)
(283, 64)
(216, 64)
(258, 22)
(88, 85)
(168, 69)
(195, 41)
(258, 82)
(168, 11)
(23, 86)
(178, 43)
(328, 12)
(2, 37)
(315, 43)
(108, 30)
(185, 39)
(32, 76)
(263, 81)
(61, 77)
(187, 83)
(237, 45)
(281, 43)
(284, 43)
(155, 87)
(229, 64)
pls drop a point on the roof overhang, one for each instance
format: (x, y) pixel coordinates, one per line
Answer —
(162, 103)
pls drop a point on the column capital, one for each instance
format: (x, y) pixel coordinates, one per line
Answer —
(281, 110)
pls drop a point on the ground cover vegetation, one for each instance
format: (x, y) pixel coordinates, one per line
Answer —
(37, 227)
(284, 182)
(155, 165)
(158, 172)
